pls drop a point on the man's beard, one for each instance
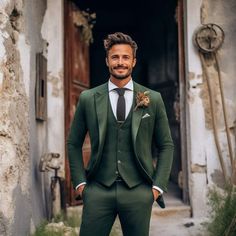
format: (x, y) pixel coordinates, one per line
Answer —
(118, 76)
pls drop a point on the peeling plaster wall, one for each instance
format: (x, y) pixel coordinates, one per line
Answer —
(204, 165)
(14, 121)
(22, 139)
(26, 28)
(45, 36)
(52, 32)
(34, 12)
(222, 14)
(196, 118)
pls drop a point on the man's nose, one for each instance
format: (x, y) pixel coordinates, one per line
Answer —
(120, 61)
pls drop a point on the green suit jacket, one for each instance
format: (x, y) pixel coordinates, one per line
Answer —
(149, 124)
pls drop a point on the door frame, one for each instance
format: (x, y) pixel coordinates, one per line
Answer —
(183, 178)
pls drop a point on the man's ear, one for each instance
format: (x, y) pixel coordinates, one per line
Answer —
(107, 62)
(134, 62)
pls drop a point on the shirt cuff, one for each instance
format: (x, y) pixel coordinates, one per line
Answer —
(158, 189)
(83, 183)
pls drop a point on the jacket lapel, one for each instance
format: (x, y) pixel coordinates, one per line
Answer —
(101, 103)
(136, 118)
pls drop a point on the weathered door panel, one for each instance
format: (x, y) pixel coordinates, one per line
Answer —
(76, 79)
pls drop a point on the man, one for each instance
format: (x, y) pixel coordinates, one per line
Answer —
(123, 119)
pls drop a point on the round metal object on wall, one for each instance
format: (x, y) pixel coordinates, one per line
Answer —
(209, 38)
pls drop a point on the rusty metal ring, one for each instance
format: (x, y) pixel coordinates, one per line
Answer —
(209, 37)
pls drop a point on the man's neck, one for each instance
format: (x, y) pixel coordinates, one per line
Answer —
(120, 82)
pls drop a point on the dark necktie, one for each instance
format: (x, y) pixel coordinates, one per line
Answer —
(120, 110)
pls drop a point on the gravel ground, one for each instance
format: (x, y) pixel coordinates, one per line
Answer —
(176, 226)
(169, 226)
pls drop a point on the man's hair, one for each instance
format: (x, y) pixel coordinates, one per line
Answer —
(119, 38)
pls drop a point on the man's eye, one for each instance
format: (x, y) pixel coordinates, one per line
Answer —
(114, 57)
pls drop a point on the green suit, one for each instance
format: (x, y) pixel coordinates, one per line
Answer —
(91, 116)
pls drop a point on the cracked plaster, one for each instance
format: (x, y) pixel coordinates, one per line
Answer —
(14, 148)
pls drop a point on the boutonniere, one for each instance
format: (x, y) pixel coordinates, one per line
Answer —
(142, 100)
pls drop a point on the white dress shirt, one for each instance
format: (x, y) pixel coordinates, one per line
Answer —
(113, 97)
(128, 95)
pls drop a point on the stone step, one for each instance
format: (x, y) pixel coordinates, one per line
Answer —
(174, 207)
(183, 211)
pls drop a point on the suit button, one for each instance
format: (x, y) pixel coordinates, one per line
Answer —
(119, 151)
(118, 161)
(117, 172)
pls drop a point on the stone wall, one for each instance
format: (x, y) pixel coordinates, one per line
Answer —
(14, 119)
(18, 45)
(26, 28)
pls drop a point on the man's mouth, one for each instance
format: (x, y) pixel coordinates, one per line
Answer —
(120, 68)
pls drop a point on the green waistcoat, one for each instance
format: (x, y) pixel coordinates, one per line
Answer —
(118, 154)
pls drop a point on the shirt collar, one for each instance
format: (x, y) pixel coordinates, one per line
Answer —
(129, 85)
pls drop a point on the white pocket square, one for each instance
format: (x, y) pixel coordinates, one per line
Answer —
(145, 116)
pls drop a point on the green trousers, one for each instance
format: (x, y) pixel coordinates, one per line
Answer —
(102, 205)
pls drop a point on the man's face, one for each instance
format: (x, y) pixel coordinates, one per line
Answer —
(120, 61)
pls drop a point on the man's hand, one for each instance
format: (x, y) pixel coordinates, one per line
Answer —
(80, 189)
(156, 194)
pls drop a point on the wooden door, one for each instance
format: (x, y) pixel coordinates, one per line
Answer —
(76, 79)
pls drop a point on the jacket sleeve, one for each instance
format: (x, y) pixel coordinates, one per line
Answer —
(75, 142)
(164, 143)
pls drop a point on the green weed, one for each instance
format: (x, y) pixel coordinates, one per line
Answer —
(71, 221)
(223, 212)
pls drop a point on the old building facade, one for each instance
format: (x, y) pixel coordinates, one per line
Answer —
(51, 50)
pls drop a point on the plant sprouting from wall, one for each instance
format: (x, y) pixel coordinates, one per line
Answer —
(223, 212)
